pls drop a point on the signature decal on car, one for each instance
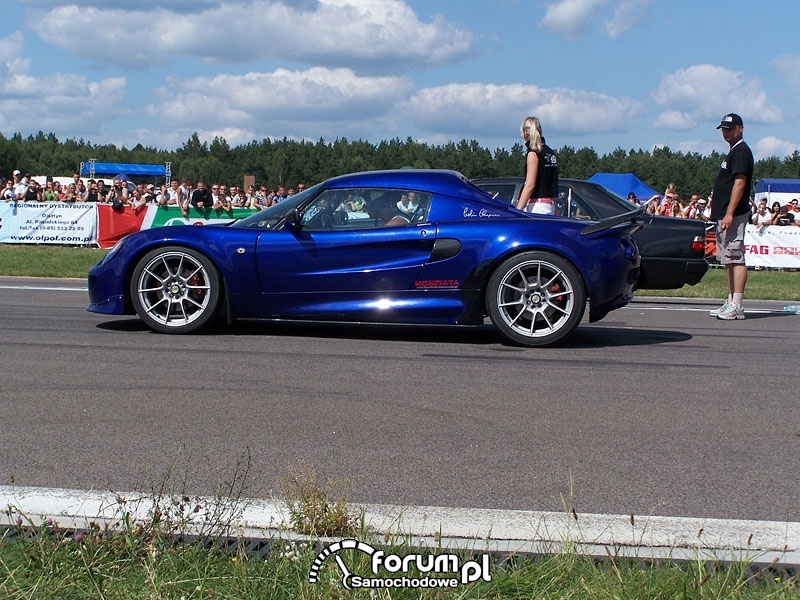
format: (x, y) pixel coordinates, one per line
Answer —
(483, 213)
(437, 283)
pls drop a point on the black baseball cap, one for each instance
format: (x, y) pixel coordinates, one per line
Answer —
(730, 121)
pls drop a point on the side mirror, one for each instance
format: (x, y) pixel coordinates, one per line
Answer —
(292, 219)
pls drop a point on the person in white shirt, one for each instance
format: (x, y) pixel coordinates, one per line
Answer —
(174, 194)
(8, 191)
(762, 217)
(185, 193)
(407, 203)
(20, 186)
(794, 210)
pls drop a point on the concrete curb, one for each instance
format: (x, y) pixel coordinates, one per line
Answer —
(484, 530)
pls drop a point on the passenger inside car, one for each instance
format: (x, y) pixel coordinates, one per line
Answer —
(365, 209)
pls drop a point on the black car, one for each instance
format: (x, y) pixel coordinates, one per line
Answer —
(672, 249)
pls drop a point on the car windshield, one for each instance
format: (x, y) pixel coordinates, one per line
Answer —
(267, 218)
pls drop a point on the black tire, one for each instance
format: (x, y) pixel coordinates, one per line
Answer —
(175, 290)
(535, 299)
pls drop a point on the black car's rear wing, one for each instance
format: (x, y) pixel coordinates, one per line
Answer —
(609, 222)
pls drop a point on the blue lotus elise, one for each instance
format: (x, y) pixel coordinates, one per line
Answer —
(404, 246)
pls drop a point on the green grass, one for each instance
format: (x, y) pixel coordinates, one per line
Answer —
(24, 260)
(64, 261)
(43, 563)
(761, 285)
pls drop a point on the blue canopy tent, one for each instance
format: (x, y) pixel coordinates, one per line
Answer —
(786, 186)
(624, 183)
(91, 168)
(780, 190)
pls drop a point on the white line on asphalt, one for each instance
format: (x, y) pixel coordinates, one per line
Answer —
(44, 288)
(487, 530)
(694, 309)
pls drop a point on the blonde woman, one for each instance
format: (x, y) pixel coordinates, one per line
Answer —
(540, 190)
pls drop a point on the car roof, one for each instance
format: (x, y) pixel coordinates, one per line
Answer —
(438, 181)
(427, 179)
(518, 179)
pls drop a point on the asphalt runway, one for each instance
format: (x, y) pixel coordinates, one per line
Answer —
(656, 410)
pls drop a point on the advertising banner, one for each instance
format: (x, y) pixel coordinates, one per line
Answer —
(116, 224)
(56, 223)
(161, 216)
(772, 246)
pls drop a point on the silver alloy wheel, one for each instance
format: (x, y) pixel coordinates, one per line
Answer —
(536, 298)
(174, 289)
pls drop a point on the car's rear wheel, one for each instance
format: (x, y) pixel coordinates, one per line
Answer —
(175, 290)
(536, 298)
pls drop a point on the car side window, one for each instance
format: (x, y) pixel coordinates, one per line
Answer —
(504, 191)
(363, 208)
(571, 205)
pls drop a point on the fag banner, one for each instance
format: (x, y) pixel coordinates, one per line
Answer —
(774, 246)
(50, 223)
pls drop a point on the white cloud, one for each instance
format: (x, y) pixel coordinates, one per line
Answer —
(357, 33)
(11, 61)
(696, 146)
(316, 95)
(465, 110)
(571, 17)
(703, 93)
(788, 65)
(626, 15)
(576, 17)
(72, 102)
(766, 147)
(330, 103)
(774, 146)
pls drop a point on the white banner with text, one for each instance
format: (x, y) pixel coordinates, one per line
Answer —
(772, 246)
(57, 223)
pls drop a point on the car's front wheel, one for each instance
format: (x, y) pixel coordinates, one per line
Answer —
(536, 298)
(175, 290)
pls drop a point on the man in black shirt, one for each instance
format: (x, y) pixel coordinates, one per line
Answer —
(731, 210)
(201, 197)
(91, 193)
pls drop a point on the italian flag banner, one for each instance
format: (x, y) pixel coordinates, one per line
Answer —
(113, 225)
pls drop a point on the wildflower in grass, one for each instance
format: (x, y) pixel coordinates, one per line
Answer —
(292, 552)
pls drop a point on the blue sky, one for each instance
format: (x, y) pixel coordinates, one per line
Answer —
(634, 74)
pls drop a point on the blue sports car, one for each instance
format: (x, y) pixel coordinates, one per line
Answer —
(404, 246)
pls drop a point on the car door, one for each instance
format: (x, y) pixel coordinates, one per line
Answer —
(337, 248)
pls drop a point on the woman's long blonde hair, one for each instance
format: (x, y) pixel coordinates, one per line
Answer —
(533, 128)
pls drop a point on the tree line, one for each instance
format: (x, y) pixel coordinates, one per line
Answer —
(287, 162)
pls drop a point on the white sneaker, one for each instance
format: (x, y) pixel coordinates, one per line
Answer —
(721, 309)
(731, 313)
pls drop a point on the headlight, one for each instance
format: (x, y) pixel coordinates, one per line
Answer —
(114, 250)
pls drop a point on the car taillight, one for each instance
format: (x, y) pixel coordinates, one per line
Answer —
(699, 244)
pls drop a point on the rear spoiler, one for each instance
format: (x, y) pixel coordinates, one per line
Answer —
(610, 222)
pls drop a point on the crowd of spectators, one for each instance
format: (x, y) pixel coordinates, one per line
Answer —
(672, 204)
(120, 193)
(184, 194)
